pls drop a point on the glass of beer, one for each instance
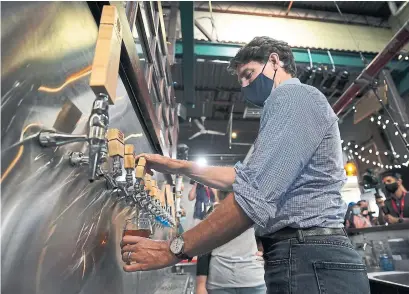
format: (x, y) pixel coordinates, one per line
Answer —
(138, 226)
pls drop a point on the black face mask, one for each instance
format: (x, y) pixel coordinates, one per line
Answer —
(391, 188)
(260, 89)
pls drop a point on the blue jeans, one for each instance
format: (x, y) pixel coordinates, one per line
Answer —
(250, 290)
(314, 265)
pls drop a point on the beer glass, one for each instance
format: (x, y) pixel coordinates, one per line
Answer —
(138, 226)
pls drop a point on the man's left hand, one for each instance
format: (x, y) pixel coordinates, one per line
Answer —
(391, 219)
(146, 254)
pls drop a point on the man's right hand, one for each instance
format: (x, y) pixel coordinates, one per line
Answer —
(159, 163)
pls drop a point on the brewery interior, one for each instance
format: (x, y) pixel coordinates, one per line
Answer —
(77, 106)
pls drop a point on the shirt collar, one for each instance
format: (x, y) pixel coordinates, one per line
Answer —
(292, 81)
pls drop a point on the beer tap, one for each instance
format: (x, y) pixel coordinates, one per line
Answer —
(139, 186)
(116, 150)
(151, 203)
(103, 82)
(98, 125)
(129, 164)
(179, 181)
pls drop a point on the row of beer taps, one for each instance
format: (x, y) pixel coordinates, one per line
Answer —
(108, 155)
(139, 188)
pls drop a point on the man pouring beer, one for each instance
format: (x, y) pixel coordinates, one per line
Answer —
(289, 189)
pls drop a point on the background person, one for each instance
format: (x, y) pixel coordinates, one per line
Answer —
(396, 205)
(204, 196)
(357, 220)
(234, 267)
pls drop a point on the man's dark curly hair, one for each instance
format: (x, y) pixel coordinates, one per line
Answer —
(259, 49)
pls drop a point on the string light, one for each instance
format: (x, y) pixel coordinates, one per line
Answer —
(384, 123)
(354, 150)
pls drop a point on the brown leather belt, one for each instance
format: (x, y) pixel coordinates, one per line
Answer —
(300, 234)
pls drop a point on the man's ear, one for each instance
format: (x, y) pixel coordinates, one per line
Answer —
(275, 60)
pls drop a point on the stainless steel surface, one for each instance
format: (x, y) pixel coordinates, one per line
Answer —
(60, 234)
(395, 278)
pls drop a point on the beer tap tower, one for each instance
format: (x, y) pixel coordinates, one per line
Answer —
(103, 142)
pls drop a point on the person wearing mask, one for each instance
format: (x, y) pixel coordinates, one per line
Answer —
(357, 220)
(349, 212)
(395, 208)
(204, 196)
(290, 187)
(234, 267)
(364, 205)
(380, 202)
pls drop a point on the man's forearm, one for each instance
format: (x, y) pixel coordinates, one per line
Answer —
(218, 177)
(224, 224)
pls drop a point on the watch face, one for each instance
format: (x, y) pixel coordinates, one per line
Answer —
(177, 245)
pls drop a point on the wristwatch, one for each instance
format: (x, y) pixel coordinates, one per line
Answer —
(177, 246)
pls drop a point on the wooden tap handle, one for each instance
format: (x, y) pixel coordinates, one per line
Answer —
(105, 67)
(142, 161)
(148, 184)
(129, 159)
(115, 142)
(140, 168)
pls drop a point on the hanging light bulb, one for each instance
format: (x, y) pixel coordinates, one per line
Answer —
(377, 152)
(399, 166)
(363, 148)
(356, 153)
(367, 161)
(387, 121)
(386, 153)
(345, 148)
(372, 119)
(383, 127)
(405, 156)
(379, 122)
(342, 141)
(395, 123)
(373, 162)
(381, 165)
(349, 143)
(407, 125)
(379, 117)
(363, 159)
(397, 156)
(350, 151)
(356, 146)
(396, 133)
(394, 153)
(359, 157)
(370, 150)
(404, 135)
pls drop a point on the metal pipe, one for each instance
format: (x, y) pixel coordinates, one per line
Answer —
(295, 13)
(242, 144)
(398, 41)
(230, 125)
(204, 32)
(401, 8)
(289, 7)
(392, 7)
(331, 59)
(310, 57)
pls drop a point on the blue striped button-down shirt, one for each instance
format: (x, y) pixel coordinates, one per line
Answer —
(295, 174)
